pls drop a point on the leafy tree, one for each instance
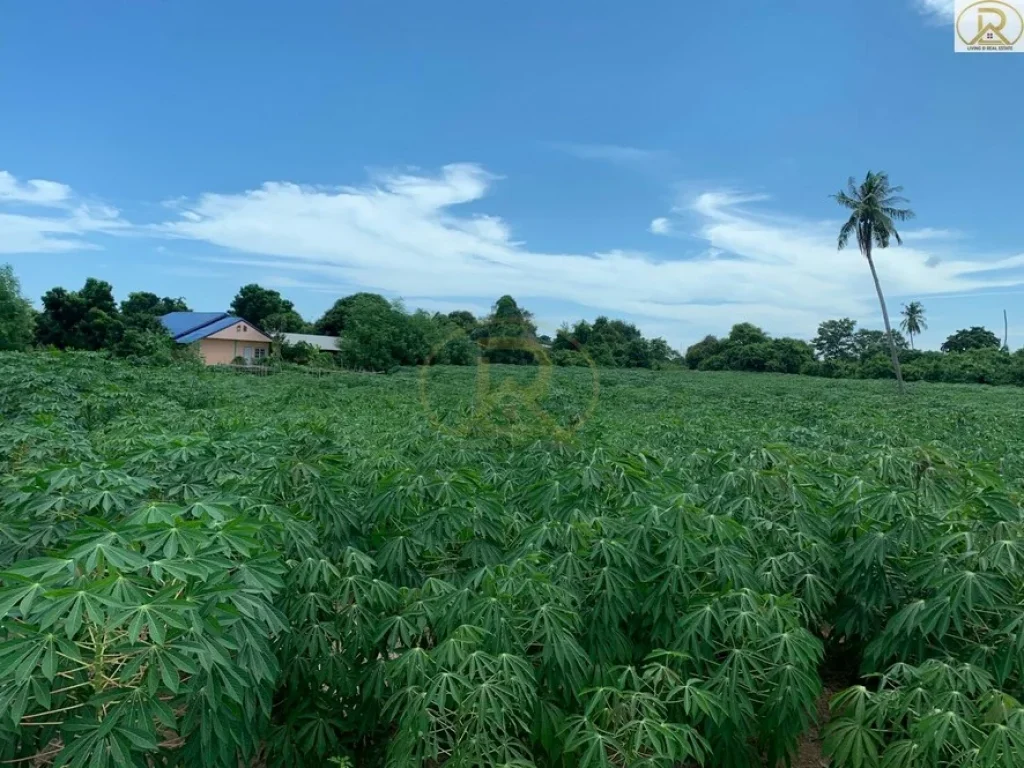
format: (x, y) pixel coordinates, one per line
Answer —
(835, 340)
(144, 335)
(508, 335)
(85, 319)
(377, 334)
(746, 333)
(332, 322)
(976, 337)
(661, 353)
(17, 318)
(707, 347)
(874, 211)
(868, 343)
(609, 343)
(447, 338)
(143, 303)
(464, 319)
(913, 322)
(149, 343)
(373, 335)
(789, 356)
(267, 309)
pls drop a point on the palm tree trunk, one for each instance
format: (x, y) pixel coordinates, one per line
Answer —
(888, 329)
(911, 339)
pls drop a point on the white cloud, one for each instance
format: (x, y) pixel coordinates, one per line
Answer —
(660, 226)
(930, 233)
(33, 191)
(405, 235)
(64, 225)
(632, 158)
(941, 9)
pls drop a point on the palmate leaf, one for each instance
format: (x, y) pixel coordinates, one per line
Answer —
(668, 743)
(592, 747)
(819, 500)
(852, 744)
(904, 754)
(697, 701)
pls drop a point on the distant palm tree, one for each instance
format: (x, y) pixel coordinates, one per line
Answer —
(874, 211)
(913, 321)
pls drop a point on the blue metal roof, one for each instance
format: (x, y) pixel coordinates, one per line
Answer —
(209, 329)
(180, 323)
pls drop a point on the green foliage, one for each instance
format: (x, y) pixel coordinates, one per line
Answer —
(913, 320)
(748, 348)
(335, 320)
(378, 335)
(17, 318)
(267, 310)
(141, 304)
(199, 569)
(841, 340)
(835, 340)
(154, 346)
(868, 344)
(508, 335)
(706, 348)
(968, 339)
(86, 319)
(609, 344)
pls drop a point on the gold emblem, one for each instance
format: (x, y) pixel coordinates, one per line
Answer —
(992, 25)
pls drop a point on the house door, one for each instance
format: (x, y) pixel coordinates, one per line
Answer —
(247, 354)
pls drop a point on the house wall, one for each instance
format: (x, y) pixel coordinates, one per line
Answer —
(242, 332)
(217, 351)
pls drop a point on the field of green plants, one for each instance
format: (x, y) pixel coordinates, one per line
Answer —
(486, 568)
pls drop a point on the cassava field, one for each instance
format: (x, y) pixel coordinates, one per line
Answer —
(506, 567)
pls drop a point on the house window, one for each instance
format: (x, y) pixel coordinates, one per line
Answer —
(260, 353)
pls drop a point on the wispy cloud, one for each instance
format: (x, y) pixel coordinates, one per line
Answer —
(938, 9)
(197, 272)
(33, 191)
(930, 233)
(39, 216)
(405, 235)
(409, 234)
(632, 158)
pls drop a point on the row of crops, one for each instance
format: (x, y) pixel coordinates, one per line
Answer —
(652, 569)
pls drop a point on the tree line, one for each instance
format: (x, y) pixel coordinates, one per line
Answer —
(379, 335)
(842, 350)
(374, 333)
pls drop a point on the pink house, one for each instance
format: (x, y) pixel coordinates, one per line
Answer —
(221, 337)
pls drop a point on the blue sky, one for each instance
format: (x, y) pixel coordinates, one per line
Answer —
(650, 161)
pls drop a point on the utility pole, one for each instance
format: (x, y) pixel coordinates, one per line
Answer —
(1006, 332)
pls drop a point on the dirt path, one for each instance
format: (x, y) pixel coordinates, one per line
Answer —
(808, 753)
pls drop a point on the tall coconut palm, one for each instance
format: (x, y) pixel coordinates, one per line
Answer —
(874, 207)
(913, 321)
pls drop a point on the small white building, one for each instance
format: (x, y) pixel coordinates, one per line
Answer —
(323, 343)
